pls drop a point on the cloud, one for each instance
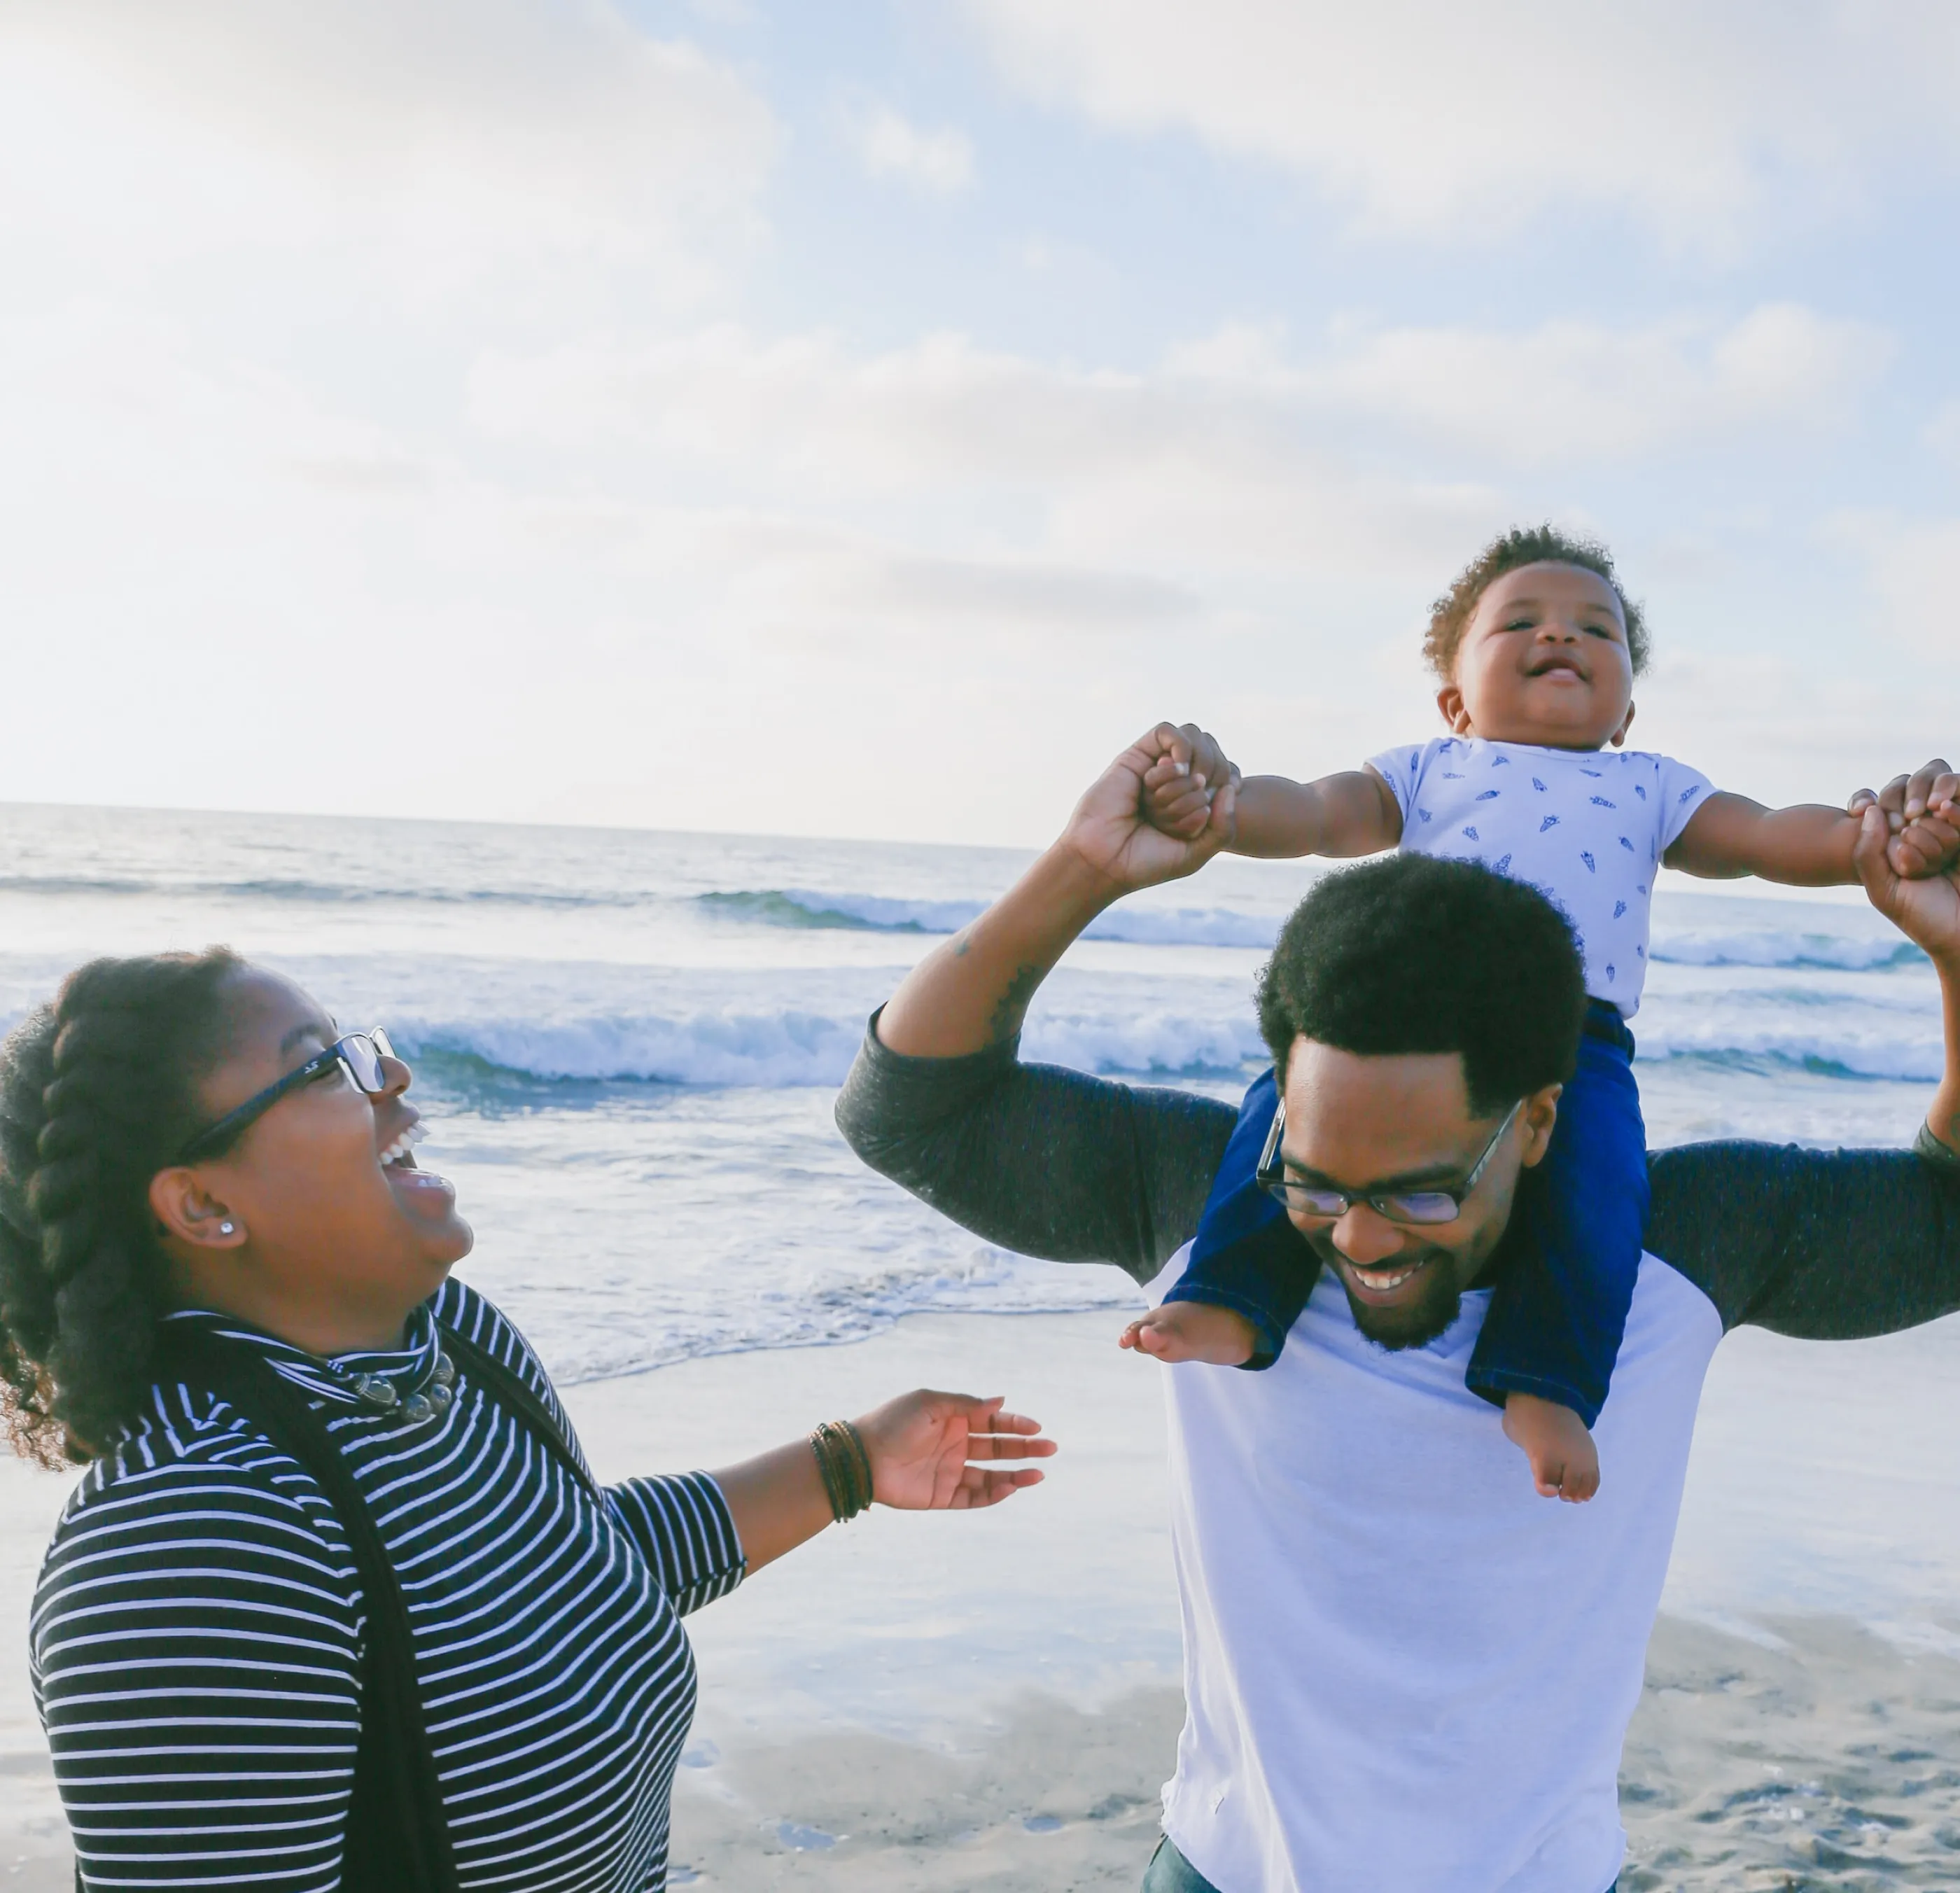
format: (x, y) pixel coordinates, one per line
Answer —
(1450, 120)
(1941, 432)
(670, 562)
(889, 146)
(1568, 393)
(419, 152)
(938, 596)
(1913, 567)
(1245, 424)
(386, 353)
(666, 564)
(250, 249)
(1165, 471)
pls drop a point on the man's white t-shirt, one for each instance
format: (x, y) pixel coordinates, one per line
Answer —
(1404, 1671)
(1585, 827)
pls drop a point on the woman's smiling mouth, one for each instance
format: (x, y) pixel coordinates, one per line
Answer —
(399, 1165)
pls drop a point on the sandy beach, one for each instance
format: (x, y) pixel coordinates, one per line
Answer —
(1828, 1762)
(991, 1702)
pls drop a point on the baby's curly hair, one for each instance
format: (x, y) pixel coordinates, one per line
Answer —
(98, 1092)
(1450, 616)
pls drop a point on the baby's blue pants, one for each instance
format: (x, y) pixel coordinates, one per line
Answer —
(1567, 1268)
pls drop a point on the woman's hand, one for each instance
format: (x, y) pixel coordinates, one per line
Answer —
(921, 1446)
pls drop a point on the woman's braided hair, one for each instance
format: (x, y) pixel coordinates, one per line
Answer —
(98, 1091)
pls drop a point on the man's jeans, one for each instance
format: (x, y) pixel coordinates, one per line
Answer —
(1170, 1872)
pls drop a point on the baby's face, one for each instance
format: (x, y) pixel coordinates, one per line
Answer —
(1544, 660)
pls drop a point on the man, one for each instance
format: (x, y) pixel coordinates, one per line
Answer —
(1404, 1673)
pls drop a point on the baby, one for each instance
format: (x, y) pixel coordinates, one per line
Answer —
(1537, 648)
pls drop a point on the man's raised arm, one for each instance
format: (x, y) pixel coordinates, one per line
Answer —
(973, 991)
(1833, 1245)
(1044, 1161)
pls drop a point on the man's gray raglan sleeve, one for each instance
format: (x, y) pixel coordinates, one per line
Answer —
(1047, 1162)
(1823, 1245)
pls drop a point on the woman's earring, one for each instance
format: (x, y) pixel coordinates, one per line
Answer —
(227, 1229)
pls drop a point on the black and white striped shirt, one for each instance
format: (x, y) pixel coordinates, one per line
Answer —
(196, 1636)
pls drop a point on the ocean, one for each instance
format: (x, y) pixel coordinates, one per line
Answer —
(627, 1043)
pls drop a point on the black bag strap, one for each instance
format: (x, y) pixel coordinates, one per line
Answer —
(397, 1839)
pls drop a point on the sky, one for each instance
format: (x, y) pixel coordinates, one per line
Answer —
(810, 418)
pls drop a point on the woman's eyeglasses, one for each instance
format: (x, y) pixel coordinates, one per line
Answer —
(359, 1055)
(1396, 1206)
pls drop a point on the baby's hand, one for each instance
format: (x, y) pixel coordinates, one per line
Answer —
(1193, 1330)
(1179, 787)
(1922, 812)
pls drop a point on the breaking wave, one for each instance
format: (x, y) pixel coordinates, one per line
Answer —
(733, 1046)
(886, 914)
(795, 907)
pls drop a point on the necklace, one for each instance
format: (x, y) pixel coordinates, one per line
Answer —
(379, 1395)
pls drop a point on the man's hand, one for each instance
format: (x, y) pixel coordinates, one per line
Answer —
(1110, 832)
(974, 989)
(1182, 785)
(1922, 819)
(1925, 907)
(922, 1447)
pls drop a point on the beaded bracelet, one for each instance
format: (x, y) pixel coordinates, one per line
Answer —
(844, 1467)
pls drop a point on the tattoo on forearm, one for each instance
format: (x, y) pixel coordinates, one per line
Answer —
(960, 943)
(1007, 1015)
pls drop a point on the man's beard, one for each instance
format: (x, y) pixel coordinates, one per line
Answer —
(1419, 1323)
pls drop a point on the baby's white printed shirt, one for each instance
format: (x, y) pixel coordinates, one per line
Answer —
(1587, 827)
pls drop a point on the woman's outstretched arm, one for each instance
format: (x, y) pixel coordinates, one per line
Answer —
(929, 1453)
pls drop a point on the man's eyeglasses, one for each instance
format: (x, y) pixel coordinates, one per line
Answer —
(359, 1055)
(1397, 1206)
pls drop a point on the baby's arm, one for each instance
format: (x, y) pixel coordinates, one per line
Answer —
(1810, 846)
(1730, 835)
(1354, 812)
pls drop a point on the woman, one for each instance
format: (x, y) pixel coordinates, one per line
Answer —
(337, 1603)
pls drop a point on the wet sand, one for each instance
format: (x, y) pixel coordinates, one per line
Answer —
(1832, 1762)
